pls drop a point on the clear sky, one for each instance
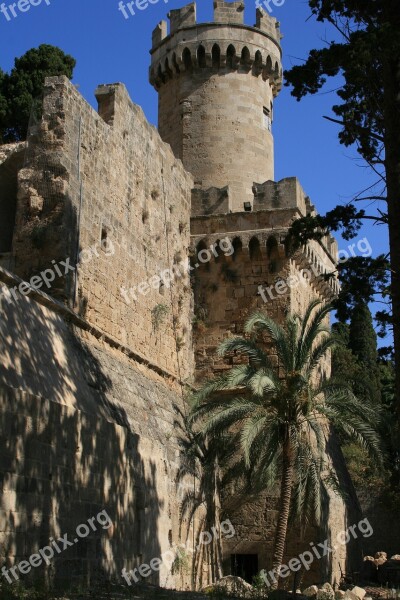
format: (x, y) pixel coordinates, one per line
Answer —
(109, 48)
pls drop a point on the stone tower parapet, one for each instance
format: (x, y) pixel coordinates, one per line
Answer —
(217, 83)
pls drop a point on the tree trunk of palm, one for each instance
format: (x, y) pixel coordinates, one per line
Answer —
(284, 510)
(213, 524)
(392, 165)
(216, 542)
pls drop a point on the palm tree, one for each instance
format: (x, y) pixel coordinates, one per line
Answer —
(211, 465)
(283, 412)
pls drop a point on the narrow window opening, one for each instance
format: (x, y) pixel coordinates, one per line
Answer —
(201, 57)
(267, 118)
(255, 250)
(216, 56)
(237, 246)
(245, 58)
(187, 58)
(230, 56)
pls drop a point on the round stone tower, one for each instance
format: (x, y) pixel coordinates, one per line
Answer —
(217, 83)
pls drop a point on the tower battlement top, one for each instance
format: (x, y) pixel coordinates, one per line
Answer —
(224, 42)
(225, 13)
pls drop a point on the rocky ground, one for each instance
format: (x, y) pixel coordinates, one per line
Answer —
(232, 587)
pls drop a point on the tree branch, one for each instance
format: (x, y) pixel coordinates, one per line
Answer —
(373, 135)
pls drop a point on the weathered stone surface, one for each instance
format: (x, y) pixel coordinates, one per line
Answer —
(359, 592)
(349, 595)
(193, 89)
(326, 592)
(380, 556)
(94, 420)
(232, 586)
(311, 591)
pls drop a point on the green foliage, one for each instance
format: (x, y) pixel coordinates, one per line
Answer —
(347, 219)
(3, 100)
(364, 473)
(387, 377)
(355, 359)
(181, 562)
(21, 90)
(366, 58)
(259, 586)
(276, 414)
(369, 39)
(158, 314)
(17, 591)
(362, 279)
(363, 344)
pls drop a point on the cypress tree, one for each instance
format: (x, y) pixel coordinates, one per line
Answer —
(363, 344)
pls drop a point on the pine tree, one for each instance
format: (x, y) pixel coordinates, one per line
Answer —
(23, 87)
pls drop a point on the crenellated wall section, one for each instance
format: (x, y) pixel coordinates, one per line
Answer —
(217, 83)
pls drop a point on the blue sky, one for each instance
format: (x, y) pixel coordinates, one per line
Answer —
(108, 48)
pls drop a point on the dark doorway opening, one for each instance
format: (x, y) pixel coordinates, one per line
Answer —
(244, 566)
(8, 199)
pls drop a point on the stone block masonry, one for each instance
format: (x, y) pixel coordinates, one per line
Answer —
(91, 386)
(91, 390)
(83, 427)
(101, 176)
(217, 83)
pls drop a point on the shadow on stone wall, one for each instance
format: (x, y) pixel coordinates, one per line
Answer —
(382, 512)
(66, 454)
(353, 510)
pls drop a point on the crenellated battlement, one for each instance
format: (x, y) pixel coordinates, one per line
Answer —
(228, 12)
(104, 321)
(287, 193)
(217, 83)
(226, 43)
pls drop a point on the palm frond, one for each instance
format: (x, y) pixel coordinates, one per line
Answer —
(222, 420)
(246, 347)
(252, 428)
(319, 352)
(264, 381)
(311, 329)
(259, 322)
